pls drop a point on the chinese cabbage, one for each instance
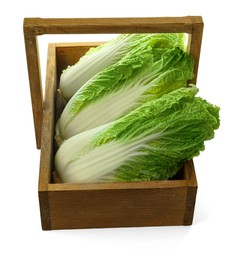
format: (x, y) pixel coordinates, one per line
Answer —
(99, 58)
(122, 87)
(150, 143)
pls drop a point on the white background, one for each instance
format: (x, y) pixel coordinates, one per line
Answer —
(20, 230)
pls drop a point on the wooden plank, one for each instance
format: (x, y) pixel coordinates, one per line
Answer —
(117, 208)
(33, 66)
(110, 25)
(195, 43)
(118, 185)
(46, 159)
(45, 210)
(191, 192)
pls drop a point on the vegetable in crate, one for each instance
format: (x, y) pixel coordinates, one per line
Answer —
(150, 143)
(98, 58)
(136, 78)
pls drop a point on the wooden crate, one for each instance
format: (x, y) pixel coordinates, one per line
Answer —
(70, 206)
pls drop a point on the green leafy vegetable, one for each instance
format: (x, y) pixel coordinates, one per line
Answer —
(150, 143)
(138, 77)
(99, 58)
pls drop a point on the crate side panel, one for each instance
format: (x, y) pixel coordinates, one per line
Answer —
(117, 208)
(47, 138)
(44, 210)
(191, 179)
(190, 205)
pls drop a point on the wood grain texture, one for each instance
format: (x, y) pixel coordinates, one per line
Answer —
(33, 66)
(117, 208)
(46, 160)
(191, 192)
(195, 43)
(110, 25)
(47, 141)
(45, 210)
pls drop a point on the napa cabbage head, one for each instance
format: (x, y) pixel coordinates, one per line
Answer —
(99, 58)
(122, 87)
(150, 143)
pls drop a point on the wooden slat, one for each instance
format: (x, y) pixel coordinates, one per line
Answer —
(191, 179)
(33, 65)
(46, 159)
(117, 208)
(45, 212)
(119, 186)
(195, 43)
(110, 25)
